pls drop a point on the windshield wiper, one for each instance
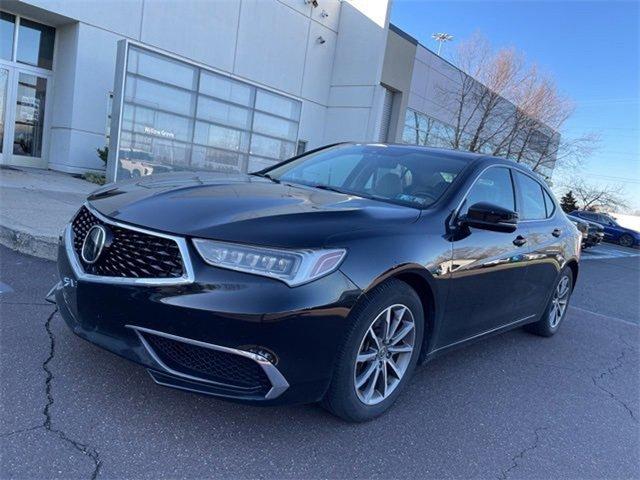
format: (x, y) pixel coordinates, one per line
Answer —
(265, 175)
(331, 189)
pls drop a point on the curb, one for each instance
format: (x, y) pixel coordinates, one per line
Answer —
(41, 246)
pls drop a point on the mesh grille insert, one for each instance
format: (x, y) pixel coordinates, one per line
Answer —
(211, 364)
(131, 254)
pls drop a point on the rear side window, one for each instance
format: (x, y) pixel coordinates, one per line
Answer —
(549, 203)
(533, 206)
(493, 186)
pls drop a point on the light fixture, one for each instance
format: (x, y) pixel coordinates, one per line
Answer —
(441, 38)
(293, 267)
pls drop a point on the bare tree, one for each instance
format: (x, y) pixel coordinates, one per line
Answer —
(597, 197)
(504, 107)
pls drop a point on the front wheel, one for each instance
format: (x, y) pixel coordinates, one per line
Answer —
(626, 240)
(556, 310)
(379, 353)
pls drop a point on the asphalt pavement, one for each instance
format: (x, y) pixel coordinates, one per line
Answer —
(513, 406)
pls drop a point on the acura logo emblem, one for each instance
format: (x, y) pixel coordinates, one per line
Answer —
(93, 244)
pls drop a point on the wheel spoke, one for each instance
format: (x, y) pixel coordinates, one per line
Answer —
(384, 379)
(375, 337)
(366, 356)
(404, 331)
(372, 386)
(387, 325)
(366, 375)
(394, 367)
(400, 348)
(396, 321)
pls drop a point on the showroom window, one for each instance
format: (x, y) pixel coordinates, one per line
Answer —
(179, 116)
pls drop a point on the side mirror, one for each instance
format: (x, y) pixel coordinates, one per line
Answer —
(487, 216)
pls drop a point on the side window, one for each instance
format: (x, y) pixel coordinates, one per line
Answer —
(549, 203)
(533, 207)
(493, 186)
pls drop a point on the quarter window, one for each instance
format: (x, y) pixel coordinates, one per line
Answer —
(493, 186)
(533, 206)
(549, 203)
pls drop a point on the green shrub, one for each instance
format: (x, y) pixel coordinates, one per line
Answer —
(103, 153)
(98, 178)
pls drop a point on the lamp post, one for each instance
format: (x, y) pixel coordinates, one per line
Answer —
(441, 38)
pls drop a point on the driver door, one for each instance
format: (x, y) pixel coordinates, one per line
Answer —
(488, 267)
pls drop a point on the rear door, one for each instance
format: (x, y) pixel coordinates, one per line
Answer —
(545, 233)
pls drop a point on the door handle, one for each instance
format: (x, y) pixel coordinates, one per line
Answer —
(556, 232)
(519, 241)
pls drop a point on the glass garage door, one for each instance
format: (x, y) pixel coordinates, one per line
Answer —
(179, 116)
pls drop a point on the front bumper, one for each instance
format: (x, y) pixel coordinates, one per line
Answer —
(282, 339)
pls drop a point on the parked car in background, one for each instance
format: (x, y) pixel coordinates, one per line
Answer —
(582, 226)
(592, 233)
(613, 231)
(327, 277)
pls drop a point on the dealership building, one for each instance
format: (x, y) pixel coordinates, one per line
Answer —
(225, 85)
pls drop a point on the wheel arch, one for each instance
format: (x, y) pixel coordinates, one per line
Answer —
(422, 282)
(424, 290)
(573, 265)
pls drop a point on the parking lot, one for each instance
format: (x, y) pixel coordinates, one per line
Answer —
(513, 406)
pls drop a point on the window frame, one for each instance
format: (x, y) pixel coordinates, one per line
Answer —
(543, 190)
(516, 198)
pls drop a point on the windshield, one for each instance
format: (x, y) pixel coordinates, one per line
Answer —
(396, 174)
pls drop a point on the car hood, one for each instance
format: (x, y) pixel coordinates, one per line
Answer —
(244, 208)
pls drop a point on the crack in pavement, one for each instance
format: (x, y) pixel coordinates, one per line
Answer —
(610, 371)
(47, 424)
(81, 447)
(520, 455)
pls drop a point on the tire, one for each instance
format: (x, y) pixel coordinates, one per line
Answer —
(626, 240)
(550, 321)
(343, 398)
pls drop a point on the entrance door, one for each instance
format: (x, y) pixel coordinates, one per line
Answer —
(23, 97)
(26, 72)
(4, 93)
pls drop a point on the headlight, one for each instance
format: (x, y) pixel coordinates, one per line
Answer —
(294, 267)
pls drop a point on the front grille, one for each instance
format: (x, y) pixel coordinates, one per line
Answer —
(215, 365)
(130, 254)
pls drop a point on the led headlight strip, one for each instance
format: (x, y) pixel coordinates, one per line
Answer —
(294, 267)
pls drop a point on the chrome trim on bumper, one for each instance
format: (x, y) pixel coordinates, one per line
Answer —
(278, 383)
(187, 277)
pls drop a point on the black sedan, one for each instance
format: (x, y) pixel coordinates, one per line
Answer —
(592, 233)
(328, 277)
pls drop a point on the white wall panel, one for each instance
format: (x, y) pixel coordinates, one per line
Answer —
(345, 124)
(332, 10)
(119, 16)
(273, 56)
(351, 96)
(211, 41)
(319, 64)
(312, 124)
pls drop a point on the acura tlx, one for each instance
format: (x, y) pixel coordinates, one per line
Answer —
(325, 278)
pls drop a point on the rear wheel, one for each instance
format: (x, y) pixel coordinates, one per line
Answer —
(379, 354)
(626, 240)
(557, 308)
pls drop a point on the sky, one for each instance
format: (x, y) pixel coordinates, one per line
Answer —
(590, 48)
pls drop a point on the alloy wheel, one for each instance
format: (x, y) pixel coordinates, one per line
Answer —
(626, 240)
(384, 354)
(559, 302)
